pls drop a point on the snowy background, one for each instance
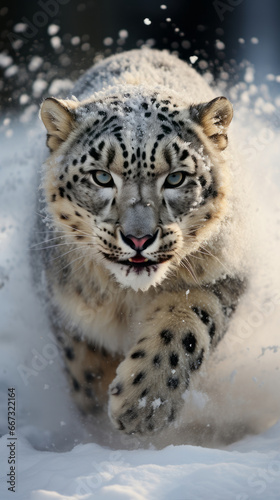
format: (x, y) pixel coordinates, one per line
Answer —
(227, 445)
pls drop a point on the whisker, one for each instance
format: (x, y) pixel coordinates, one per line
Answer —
(75, 230)
(72, 250)
(69, 264)
(184, 262)
(192, 272)
(69, 243)
(192, 255)
(210, 254)
(52, 239)
(51, 246)
(64, 224)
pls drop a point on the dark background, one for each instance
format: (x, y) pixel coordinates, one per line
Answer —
(194, 29)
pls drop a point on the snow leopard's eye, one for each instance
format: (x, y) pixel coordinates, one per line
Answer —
(102, 178)
(174, 180)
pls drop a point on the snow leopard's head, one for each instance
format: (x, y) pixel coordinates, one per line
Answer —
(137, 179)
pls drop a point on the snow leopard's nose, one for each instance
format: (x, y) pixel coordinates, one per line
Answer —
(139, 244)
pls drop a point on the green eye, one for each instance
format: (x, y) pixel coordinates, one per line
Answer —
(102, 178)
(174, 180)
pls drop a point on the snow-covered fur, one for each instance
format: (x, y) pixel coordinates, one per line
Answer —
(145, 266)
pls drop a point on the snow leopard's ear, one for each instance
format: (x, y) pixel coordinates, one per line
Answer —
(59, 119)
(214, 117)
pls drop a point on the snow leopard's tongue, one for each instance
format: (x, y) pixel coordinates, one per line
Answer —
(139, 259)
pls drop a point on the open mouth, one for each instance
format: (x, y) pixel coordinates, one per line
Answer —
(139, 261)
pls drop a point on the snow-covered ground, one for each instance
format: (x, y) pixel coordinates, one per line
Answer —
(229, 444)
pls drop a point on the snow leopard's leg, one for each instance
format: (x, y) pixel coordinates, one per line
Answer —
(90, 371)
(178, 331)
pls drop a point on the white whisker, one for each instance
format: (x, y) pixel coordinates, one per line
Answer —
(66, 253)
(70, 264)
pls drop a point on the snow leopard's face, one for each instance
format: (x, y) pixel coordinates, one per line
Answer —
(134, 182)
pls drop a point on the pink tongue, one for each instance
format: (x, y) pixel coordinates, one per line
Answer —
(138, 259)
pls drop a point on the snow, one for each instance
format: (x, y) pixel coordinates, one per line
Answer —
(179, 472)
(227, 445)
(5, 60)
(193, 59)
(56, 42)
(35, 63)
(53, 29)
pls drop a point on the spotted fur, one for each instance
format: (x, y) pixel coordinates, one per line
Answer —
(141, 220)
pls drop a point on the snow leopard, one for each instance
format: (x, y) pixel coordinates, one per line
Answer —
(143, 259)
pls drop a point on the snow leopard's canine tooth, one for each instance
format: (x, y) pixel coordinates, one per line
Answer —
(143, 244)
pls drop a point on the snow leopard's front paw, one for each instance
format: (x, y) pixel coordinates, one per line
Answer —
(146, 394)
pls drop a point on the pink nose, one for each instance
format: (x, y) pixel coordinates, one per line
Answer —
(138, 242)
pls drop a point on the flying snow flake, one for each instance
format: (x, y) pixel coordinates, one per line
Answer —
(219, 45)
(254, 40)
(35, 63)
(249, 75)
(163, 7)
(147, 21)
(241, 40)
(186, 44)
(168, 19)
(224, 75)
(75, 40)
(56, 42)
(20, 27)
(38, 87)
(53, 29)
(11, 71)
(24, 98)
(64, 60)
(150, 42)
(193, 59)
(17, 44)
(108, 41)
(5, 60)
(203, 64)
(85, 47)
(123, 33)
